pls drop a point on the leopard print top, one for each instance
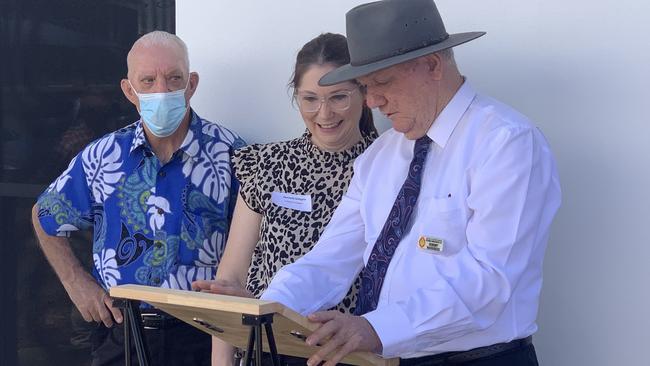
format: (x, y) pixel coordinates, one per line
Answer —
(299, 167)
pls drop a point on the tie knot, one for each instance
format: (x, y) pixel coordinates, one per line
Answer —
(422, 143)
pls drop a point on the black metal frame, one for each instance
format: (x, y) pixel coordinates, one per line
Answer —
(133, 327)
(255, 338)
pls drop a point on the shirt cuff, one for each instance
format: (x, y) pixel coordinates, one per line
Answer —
(304, 308)
(277, 296)
(394, 329)
(52, 229)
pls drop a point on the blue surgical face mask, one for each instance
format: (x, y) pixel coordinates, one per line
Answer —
(162, 113)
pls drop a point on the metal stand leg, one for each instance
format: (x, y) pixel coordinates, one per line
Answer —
(258, 345)
(127, 339)
(249, 349)
(136, 328)
(133, 326)
(272, 346)
(255, 338)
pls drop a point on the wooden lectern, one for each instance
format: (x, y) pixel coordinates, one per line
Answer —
(236, 320)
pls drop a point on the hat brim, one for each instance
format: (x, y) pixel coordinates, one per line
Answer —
(349, 72)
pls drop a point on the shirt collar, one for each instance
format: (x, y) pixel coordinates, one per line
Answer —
(138, 137)
(191, 145)
(444, 125)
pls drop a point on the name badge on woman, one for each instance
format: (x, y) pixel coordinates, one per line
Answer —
(300, 202)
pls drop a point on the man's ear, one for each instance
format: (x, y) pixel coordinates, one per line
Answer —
(129, 93)
(435, 64)
(192, 85)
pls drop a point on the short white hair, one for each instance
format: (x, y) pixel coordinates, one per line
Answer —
(448, 56)
(447, 53)
(163, 39)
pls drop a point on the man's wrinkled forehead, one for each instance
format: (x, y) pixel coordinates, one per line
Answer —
(155, 57)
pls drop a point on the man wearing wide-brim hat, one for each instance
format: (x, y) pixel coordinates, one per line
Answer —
(447, 215)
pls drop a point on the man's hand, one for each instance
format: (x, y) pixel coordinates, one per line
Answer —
(221, 287)
(348, 333)
(92, 301)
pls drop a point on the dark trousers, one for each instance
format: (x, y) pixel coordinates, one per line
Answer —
(523, 356)
(288, 360)
(180, 344)
(284, 360)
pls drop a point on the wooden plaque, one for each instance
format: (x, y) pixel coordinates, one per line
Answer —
(221, 316)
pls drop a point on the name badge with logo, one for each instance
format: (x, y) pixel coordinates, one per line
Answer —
(300, 202)
(431, 244)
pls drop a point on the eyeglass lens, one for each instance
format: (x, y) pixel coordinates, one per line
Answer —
(312, 103)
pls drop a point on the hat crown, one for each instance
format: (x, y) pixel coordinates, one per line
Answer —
(388, 28)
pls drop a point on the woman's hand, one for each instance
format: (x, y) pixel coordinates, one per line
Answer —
(221, 287)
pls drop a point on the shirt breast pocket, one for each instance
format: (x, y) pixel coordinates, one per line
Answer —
(203, 236)
(441, 226)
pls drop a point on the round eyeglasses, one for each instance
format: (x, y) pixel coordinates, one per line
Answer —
(312, 103)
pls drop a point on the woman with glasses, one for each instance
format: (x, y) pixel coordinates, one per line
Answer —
(289, 190)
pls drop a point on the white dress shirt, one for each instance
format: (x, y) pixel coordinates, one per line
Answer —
(489, 191)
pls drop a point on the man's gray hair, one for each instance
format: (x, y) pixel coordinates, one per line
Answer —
(447, 55)
(164, 39)
(448, 58)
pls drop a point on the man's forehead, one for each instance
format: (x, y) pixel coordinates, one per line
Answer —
(150, 66)
(149, 59)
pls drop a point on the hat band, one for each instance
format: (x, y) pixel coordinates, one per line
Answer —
(400, 51)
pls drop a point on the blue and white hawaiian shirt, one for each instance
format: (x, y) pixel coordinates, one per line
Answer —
(157, 225)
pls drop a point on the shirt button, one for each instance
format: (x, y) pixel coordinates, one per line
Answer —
(162, 174)
(155, 281)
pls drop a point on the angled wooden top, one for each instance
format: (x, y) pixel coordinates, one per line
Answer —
(193, 299)
(221, 316)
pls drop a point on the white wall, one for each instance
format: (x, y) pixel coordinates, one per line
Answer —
(579, 68)
(245, 51)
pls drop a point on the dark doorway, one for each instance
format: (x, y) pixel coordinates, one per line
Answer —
(61, 62)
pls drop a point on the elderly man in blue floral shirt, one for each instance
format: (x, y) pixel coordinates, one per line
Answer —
(158, 195)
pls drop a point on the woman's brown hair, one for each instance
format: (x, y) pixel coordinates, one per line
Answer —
(328, 49)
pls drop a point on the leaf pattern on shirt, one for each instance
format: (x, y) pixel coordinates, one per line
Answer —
(107, 267)
(60, 182)
(211, 172)
(101, 162)
(184, 277)
(191, 146)
(225, 135)
(158, 208)
(212, 250)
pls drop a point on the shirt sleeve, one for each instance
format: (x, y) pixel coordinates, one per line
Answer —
(245, 162)
(321, 278)
(236, 143)
(514, 194)
(66, 205)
